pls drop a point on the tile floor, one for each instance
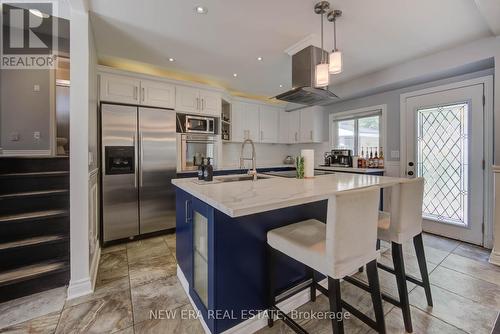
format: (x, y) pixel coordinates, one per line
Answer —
(140, 276)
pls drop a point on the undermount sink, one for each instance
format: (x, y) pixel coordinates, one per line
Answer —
(239, 178)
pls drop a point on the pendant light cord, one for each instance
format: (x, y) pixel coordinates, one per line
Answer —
(334, 35)
(322, 53)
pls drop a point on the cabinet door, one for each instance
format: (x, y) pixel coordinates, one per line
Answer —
(187, 99)
(268, 120)
(121, 89)
(211, 103)
(311, 125)
(200, 250)
(183, 232)
(252, 121)
(238, 122)
(284, 127)
(157, 94)
(294, 127)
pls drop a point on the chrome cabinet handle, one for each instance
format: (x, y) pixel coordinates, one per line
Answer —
(261, 135)
(311, 135)
(296, 136)
(143, 94)
(135, 93)
(187, 211)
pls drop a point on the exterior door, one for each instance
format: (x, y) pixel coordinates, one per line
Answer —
(445, 146)
(157, 166)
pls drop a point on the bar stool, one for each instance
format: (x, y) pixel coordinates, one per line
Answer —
(403, 224)
(335, 249)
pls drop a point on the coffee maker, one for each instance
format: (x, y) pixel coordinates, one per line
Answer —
(341, 158)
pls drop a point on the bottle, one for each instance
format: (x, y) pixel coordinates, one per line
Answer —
(370, 159)
(375, 159)
(361, 160)
(381, 159)
(201, 169)
(208, 174)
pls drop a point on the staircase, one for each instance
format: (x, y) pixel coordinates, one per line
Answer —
(34, 225)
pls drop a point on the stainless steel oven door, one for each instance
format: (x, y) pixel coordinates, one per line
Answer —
(197, 124)
(195, 147)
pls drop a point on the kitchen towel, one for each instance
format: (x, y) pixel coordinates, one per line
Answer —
(308, 162)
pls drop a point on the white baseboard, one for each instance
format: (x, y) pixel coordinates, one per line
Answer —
(260, 321)
(94, 266)
(25, 153)
(79, 288)
(495, 257)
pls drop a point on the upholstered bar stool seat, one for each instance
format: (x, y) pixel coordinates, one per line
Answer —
(335, 249)
(402, 224)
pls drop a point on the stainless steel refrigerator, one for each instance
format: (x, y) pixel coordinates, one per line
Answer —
(138, 161)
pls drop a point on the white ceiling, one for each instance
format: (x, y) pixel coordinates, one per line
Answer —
(372, 34)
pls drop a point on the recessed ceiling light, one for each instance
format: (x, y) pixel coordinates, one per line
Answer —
(200, 10)
(260, 58)
(235, 75)
(171, 59)
(281, 86)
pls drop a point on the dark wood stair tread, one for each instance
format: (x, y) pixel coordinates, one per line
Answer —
(38, 240)
(32, 271)
(34, 174)
(35, 193)
(33, 215)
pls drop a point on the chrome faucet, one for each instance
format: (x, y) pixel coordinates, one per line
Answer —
(252, 171)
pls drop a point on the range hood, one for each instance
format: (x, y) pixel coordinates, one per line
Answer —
(303, 72)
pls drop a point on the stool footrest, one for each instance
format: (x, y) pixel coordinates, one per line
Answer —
(360, 315)
(410, 278)
(289, 321)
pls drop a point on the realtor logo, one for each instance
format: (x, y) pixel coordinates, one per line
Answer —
(29, 35)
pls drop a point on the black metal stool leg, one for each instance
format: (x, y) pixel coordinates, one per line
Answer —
(373, 281)
(335, 305)
(422, 264)
(399, 271)
(270, 280)
(310, 273)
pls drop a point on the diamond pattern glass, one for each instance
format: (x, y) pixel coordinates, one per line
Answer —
(442, 159)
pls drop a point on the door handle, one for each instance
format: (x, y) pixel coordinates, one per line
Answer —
(143, 94)
(295, 136)
(311, 135)
(202, 104)
(261, 135)
(141, 146)
(135, 159)
(187, 211)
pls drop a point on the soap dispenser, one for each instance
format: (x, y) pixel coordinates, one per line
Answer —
(209, 171)
(201, 169)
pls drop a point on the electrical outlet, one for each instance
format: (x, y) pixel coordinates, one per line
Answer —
(36, 88)
(395, 154)
(36, 135)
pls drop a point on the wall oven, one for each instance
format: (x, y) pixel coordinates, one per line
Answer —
(195, 147)
(199, 124)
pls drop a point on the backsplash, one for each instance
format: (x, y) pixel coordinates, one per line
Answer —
(269, 154)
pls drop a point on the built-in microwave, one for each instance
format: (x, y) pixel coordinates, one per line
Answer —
(199, 124)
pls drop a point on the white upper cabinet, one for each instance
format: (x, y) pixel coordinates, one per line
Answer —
(244, 121)
(284, 127)
(294, 127)
(121, 89)
(157, 94)
(187, 99)
(194, 100)
(268, 123)
(311, 125)
(211, 102)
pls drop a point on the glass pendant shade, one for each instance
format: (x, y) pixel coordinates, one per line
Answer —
(322, 77)
(335, 62)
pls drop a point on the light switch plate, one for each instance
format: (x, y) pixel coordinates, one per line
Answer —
(36, 135)
(395, 154)
(36, 88)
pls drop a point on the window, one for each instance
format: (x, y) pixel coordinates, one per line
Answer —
(357, 131)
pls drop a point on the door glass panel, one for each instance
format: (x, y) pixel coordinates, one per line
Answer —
(200, 254)
(442, 159)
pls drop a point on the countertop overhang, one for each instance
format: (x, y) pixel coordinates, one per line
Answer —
(243, 198)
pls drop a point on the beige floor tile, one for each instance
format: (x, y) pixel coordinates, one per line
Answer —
(478, 269)
(128, 330)
(444, 244)
(112, 266)
(152, 269)
(473, 252)
(181, 321)
(114, 248)
(42, 325)
(33, 306)
(144, 252)
(421, 322)
(482, 292)
(120, 285)
(456, 310)
(411, 264)
(164, 294)
(170, 240)
(146, 242)
(105, 315)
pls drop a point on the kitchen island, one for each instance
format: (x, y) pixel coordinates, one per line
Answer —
(221, 239)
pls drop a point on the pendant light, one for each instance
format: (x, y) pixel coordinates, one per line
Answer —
(335, 57)
(322, 77)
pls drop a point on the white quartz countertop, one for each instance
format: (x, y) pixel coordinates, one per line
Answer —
(351, 169)
(242, 198)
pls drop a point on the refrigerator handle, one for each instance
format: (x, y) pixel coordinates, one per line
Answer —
(134, 140)
(141, 147)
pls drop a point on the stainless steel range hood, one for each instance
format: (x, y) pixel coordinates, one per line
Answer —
(303, 72)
